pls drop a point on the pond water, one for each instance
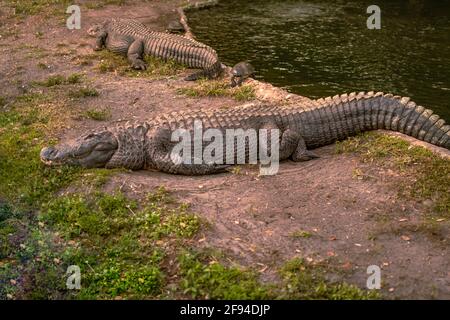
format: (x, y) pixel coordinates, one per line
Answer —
(320, 48)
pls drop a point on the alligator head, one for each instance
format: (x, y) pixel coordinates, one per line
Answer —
(96, 29)
(93, 150)
(121, 147)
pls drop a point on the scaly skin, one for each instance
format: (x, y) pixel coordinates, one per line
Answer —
(147, 145)
(133, 39)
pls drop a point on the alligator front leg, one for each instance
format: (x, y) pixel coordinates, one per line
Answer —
(135, 55)
(100, 41)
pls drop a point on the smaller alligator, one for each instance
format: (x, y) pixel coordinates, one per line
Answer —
(242, 71)
(133, 39)
(302, 127)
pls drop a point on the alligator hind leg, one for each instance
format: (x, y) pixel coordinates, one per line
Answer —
(301, 153)
(135, 55)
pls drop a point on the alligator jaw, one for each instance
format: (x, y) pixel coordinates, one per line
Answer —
(51, 156)
(94, 150)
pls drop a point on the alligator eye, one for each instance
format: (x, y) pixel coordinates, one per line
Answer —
(103, 147)
(89, 136)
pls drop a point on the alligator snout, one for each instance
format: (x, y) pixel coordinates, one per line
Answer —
(49, 154)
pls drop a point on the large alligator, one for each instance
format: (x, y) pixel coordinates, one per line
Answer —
(148, 145)
(133, 39)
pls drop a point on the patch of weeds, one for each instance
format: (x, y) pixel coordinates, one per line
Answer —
(123, 242)
(57, 80)
(156, 67)
(3, 101)
(42, 66)
(32, 7)
(52, 81)
(98, 114)
(212, 280)
(304, 281)
(101, 3)
(112, 279)
(74, 78)
(301, 234)
(84, 93)
(102, 215)
(218, 88)
(244, 93)
(33, 267)
(425, 175)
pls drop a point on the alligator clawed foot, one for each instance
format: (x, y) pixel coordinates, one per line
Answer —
(139, 65)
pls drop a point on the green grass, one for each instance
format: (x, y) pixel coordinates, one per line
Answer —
(101, 3)
(23, 178)
(304, 281)
(122, 252)
(218, 88)
(74, 78)
(111, 62)
(58, 80)
(423, 174)
(301, 234)
(98, 114)
(85, 92)
(212, 280)
(32, 7)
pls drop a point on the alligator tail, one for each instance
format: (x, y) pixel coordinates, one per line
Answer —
(342, 116)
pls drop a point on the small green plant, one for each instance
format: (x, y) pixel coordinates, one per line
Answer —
(75, 78)
(213, 280)
(52, 81)
(304, 281)
(42, 65)
(98, 114)
(218, 88)
(84, 93)
(301, 234)
(58, 80)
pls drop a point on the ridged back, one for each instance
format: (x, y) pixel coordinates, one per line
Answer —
(168, 46)
(327, 120)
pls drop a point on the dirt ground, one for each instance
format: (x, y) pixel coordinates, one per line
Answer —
(350, 222)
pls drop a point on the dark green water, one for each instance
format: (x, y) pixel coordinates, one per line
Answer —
(320, 48)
